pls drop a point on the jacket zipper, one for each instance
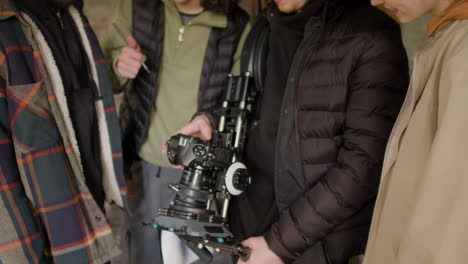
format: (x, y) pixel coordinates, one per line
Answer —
(180, 38)
(182, 30)
(292, 82)
(59, 17)
(311, 44)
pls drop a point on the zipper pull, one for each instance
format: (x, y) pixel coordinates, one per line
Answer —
(181, 34)
(59, 16)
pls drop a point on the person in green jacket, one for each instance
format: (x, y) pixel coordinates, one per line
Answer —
(188, 48)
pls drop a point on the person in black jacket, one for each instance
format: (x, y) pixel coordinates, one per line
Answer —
(336, 77)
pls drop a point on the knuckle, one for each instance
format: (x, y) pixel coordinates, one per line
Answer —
(125, 50)
(124, 59)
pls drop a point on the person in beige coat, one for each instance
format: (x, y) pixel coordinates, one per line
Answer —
(421, 214)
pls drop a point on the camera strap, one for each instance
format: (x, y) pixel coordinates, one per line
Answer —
(255, 51)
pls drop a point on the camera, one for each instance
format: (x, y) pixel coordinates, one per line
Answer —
(212, 173)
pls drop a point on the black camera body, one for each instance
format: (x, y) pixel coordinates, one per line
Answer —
(190, 151)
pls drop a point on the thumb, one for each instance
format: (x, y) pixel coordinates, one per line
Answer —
(188, 130)
(206, 132)
(240, 261)
(164, 148)
(248, 243)
(132, 43)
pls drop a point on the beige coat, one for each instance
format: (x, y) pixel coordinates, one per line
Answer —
(421, 215)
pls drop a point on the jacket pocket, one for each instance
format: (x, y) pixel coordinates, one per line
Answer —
(59, 198)
(47, 175)
(32, 123)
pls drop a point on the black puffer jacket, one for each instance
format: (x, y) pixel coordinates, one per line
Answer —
(345, 88)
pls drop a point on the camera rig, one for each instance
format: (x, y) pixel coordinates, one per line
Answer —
(213, 171)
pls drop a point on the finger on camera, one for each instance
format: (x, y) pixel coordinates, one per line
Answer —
(206, 132)
(189, 130)
(164, 149)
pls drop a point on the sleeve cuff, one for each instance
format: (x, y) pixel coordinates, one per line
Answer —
(212, 117)
(275, 244)
(121, 81)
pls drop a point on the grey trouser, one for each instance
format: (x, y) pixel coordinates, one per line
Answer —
(152, 192)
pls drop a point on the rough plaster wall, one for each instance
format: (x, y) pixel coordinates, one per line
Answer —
(100, 11)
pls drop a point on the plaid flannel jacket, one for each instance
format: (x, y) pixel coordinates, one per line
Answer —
(47, 214)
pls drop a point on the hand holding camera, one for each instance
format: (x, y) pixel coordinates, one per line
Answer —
(200, 127)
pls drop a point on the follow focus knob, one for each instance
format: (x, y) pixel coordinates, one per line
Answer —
(241, 179)
(237, 178)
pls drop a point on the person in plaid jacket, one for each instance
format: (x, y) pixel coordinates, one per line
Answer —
(51, 199)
